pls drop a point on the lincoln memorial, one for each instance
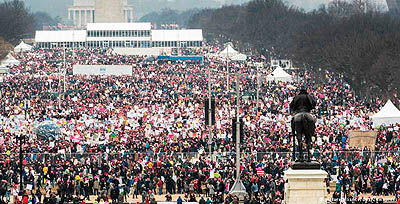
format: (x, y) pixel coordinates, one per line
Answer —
(83, 12)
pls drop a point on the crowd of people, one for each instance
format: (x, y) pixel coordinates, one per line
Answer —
(137, 136)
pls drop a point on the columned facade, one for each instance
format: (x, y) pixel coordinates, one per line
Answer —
(81, 16)
(128, 14)
(82, 12)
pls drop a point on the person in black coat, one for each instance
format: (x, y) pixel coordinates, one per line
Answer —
(115, 194)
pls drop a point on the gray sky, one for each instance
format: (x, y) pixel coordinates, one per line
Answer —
(59, 7)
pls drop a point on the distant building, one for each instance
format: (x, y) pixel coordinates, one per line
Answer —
(108, 11)
(394, 6)
(130, 37)
(83, 12)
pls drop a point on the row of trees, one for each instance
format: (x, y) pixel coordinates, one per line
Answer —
(169, 16)
(17, 22)
(355, 39)
(145, 7)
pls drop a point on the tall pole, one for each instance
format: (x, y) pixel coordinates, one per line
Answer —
(227, 69)
(258, 89)
(20, 152)
(20, 166)
(59, 85)
(209, 114)
(65, 71)
(237, 127)
(238, 188)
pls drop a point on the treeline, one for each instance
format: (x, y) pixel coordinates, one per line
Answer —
(17, 22)
(355, 39)
(169, 16)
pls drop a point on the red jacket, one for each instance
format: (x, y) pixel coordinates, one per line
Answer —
(25, 199)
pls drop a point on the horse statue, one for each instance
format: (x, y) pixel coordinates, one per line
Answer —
(304, 128)
(303, 123)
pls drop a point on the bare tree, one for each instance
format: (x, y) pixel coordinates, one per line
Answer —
(346, 37)
(340, 8)
(16, 21)
(360, 6)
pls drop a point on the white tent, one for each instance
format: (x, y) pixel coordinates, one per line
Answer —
(388, 115)
(279, 75)
(228, 52)
(9, 61)
(239, 57)
(22, 47)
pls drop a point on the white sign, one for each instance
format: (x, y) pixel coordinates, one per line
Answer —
(102, 70)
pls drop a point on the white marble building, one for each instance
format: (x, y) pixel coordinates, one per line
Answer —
(82, 12)
(120, 35)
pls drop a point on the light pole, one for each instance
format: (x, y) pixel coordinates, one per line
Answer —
(20, 166)
(227, 68)
(258, 89)
(59, 85)
(297, 79)
(21, 138)
(238, 188)
(209, 114)
(65, 72)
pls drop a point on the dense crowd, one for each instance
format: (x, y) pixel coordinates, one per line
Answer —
(141, 135)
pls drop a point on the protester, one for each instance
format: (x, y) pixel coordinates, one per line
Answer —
(134, 136)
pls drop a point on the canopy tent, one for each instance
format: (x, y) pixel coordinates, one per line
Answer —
(22, 47)
(228, 52)
(9, 61)
(388, 115)
(279, 75)
(239, 57)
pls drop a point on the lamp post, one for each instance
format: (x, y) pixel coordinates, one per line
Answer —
(258, 89)
(209, 115)
(20, 166)
(65, 72)
(297, 79)
(227, 45)
(21, 138)
(227, 69)
(238, 187)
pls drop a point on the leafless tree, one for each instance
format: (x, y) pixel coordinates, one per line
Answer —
(16, 21)
(349, 38)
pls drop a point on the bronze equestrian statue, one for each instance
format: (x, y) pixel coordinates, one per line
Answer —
(303, 123)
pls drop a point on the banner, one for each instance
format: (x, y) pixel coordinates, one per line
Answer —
(102, 70)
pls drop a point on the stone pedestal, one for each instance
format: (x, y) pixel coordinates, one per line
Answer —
(305, 186)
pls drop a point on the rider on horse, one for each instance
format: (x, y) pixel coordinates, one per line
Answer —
(302, 103)
(301, 106)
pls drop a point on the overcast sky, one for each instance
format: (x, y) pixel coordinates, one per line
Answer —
(59, 7)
